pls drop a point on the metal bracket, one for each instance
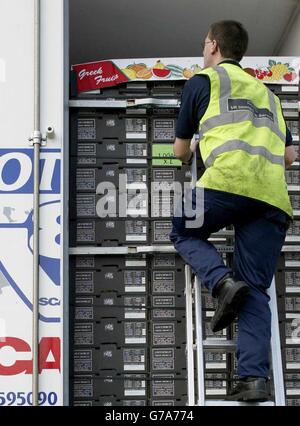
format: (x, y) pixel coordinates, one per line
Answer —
(37, 138)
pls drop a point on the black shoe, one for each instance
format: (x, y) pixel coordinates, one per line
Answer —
(250, 389)
(231, 296)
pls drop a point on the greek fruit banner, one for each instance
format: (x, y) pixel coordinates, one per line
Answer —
(97, 75)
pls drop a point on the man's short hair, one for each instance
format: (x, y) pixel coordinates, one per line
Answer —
(232, 38)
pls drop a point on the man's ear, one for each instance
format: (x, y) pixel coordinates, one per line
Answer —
(215, 48)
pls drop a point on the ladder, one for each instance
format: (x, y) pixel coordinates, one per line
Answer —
(193, 291)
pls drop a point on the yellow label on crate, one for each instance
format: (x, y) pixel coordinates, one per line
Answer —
(163, 155)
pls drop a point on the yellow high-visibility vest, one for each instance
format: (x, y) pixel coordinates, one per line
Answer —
(242, 138)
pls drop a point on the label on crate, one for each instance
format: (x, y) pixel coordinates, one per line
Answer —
(83, 361)
(161, 231)
(163, 403)
(293, 177)
(86, 149)
(295, 200)
(163, 334)
(163, 155)
(135, 386)
(84, 313)
(293, 127)
(85, 262)
(164, 111)
(136, 230)
(293, 402)
(292, 356)
(292, 278)
(162, 303)
(215, 360)
(135, 175)
(215, 383)
(86, 129)
(84, 282)
(208, 301)
(163, 129)
(292, 260)
(133, 403)
(85, 179)
(163, 387)
(163, 281)
(135, 281)
(82, 403)
(136, 128)
(135, 332)
(163, 359)
(292, 383)
(83, 161)
(292, 335)
(292, 304)
(163, 175)
(134, 359)
(84, 334)
(85, 232)
(294, 229)
(164, 260)
(83, 387)
(86, 205)
(136, 150)
(162, 205)
(134, 307)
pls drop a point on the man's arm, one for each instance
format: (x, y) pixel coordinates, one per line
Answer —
(182, 149)
(290, 152)
(194, 102)
(290, 155)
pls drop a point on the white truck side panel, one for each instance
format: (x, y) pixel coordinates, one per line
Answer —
(16, 186)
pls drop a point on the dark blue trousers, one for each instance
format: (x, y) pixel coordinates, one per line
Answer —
(260, 231)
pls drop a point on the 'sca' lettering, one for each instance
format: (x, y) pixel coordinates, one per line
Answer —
(47, 345)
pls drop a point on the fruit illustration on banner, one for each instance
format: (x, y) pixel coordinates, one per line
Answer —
(176, 70)
(250, 71)
(130, 73)
(136, 67)
(290, 76)
(159, 70)
(188, 73)
(275, 71)
(137, 71)
(144, 73)
(196, 69)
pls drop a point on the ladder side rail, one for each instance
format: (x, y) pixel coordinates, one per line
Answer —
(199, 343)
(189, 337)
(276, 348)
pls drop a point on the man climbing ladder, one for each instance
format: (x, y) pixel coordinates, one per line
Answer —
(245, 145)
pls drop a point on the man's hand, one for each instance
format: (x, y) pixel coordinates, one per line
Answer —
(182, 150)
(290, 155)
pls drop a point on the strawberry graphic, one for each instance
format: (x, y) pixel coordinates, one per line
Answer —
(290, 76)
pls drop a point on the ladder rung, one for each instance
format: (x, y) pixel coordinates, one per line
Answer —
(218, 344)
(215, 402)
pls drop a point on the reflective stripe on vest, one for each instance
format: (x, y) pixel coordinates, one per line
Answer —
(235, 116)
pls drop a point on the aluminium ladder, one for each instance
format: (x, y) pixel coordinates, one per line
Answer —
(193, 290)
(193, 287)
